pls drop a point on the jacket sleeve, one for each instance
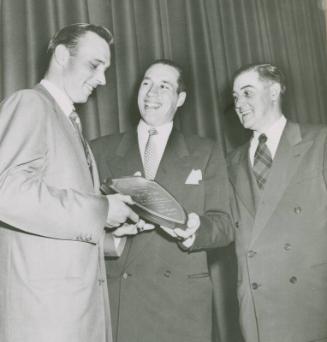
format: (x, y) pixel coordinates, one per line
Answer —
(216, 229)
(27, 202)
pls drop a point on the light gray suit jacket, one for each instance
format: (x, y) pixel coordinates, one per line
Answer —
(52, 278)
(281, 240)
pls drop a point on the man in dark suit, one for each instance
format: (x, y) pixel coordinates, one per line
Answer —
(52, 216)
(158, 290)
(279, 209)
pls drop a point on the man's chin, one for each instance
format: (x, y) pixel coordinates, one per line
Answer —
(82, 99)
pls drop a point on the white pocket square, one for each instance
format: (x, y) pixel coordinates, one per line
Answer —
(194, 177)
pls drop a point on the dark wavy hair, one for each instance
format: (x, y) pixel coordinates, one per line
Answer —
(177, 67)
(70, 35)
(266, 72)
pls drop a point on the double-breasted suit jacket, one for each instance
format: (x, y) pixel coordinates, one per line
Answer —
(281, 240)
(158, 291)
(52, 279)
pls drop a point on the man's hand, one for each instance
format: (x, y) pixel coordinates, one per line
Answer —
(132, 229)
(186, 236)
(119, 211)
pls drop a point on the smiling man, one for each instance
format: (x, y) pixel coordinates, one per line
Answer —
(279, 207)
(160, 291)
(52, 217)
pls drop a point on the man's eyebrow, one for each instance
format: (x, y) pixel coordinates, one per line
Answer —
(247, 86)
(100, 61)
(167, 82)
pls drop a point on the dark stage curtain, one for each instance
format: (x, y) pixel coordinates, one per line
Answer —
(211, 39)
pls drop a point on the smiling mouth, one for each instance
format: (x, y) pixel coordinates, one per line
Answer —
(89, 88)
(151, 105)
(245, 114)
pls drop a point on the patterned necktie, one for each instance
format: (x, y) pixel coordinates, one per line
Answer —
(74, 118)
(262, 161)
(150, 155)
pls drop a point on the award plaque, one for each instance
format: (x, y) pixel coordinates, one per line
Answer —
(152, 202)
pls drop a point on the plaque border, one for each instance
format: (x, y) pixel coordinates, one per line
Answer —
(179, 222)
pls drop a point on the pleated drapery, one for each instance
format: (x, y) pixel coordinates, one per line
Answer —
(210, 39)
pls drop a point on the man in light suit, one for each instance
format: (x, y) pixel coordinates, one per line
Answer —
(280, 214)
(52, 279)
(158, 290)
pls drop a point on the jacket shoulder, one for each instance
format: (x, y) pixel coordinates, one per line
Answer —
(199, 144)
(107, 143)
(27, 106)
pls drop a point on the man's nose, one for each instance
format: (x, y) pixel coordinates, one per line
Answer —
(101, 78)
(153, 90)
(238, 102)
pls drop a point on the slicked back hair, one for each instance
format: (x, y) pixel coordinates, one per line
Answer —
(70, 35)
(177, 67)
(266, 72)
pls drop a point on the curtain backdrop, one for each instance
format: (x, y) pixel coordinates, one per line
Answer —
(211, 39)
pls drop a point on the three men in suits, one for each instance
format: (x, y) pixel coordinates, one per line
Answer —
(159, 291)
(279, 210)
(52, 279)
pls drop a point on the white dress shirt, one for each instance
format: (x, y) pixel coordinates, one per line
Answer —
(63, 101)
(273, 134)
(160, 140)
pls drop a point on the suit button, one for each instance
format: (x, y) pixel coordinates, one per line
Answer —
(167, 274)
(251, 254)
(287, 246)
(293, 280)
(101, 281)
(255, 286)
(297, 210)
(237, 225)
(125, 275)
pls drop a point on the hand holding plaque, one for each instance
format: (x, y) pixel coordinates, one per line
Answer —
(151, 201)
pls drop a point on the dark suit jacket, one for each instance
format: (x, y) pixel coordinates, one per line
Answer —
(281, 240)
(158, 291)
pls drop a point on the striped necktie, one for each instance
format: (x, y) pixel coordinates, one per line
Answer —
(75, 120)
(262, 161)
(150, 155)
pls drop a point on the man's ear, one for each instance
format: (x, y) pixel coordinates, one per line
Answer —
(61, 54)
(181, 98)
(275, 91)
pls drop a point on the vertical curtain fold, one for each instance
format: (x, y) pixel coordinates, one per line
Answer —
(210, 39)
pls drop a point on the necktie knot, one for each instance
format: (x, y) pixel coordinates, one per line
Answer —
(262, 138)
(76, 121)
(152, 131)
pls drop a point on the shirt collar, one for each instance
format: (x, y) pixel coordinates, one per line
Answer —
(64, 102)
(165, 129)
(274, 131)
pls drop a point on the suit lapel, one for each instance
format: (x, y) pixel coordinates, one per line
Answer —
(127, 160)
(73, 137)
(175, 150)
(287, 159)
(241, 179)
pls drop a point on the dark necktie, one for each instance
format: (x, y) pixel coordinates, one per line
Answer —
(150, 155)
(74, 118)
(262, 161)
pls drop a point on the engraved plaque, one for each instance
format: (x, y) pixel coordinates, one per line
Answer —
(152, 202)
